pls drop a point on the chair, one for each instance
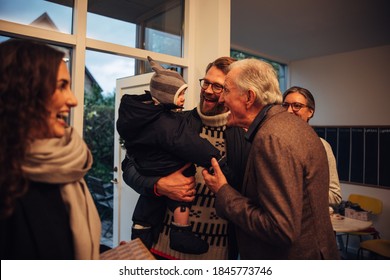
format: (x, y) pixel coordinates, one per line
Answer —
(103, 200)
(379, 247)
(370, 204)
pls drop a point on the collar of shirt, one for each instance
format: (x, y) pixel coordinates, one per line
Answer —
(250, 134)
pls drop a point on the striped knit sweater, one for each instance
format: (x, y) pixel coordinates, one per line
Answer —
(203, 217)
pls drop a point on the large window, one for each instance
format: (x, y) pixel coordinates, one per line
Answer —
(105, 47)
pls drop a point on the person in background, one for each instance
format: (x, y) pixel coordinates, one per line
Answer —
(157, 136)
(46, 210)
(300, 101)
(208, 119)
(281, 211)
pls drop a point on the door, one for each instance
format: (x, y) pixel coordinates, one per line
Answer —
(125, 197)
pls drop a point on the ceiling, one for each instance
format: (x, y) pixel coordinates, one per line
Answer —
(299, 29)
(282, 30)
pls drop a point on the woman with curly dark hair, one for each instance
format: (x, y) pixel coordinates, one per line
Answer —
(46, 210)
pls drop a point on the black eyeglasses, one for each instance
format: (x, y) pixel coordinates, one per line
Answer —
(216, 88)
(295, 106)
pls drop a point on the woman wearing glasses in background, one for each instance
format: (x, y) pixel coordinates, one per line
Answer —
(300, 101)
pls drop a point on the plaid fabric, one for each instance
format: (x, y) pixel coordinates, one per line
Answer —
(132, 250)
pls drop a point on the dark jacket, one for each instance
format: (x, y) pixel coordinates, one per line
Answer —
(160, 140)
(282, 211)
(237, 150)
(39, 228)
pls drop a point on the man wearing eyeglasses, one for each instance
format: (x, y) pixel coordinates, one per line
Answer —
(281, 211)
(209, 120)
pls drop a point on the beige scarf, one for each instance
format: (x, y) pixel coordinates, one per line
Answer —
(65, 161)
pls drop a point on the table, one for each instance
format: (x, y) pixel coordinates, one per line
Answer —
(344, 224)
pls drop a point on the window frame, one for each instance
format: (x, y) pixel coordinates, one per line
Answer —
(79, 43)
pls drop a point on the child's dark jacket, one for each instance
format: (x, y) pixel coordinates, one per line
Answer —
(160, 140)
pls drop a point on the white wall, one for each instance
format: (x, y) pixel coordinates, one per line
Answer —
(350, 89)
(207, 37)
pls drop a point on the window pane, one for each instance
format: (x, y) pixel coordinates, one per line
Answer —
(154, 25)
(162, 42)
(101, 73)
(163, 31)
(3, 38)
(40, 13)
(279, 68)
(111, 30)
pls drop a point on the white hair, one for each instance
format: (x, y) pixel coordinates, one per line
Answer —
(260, 77)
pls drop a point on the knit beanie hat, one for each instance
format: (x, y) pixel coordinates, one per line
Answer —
(165, 84)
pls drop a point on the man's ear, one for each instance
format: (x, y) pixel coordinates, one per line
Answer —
(251, 97)
(311, 113)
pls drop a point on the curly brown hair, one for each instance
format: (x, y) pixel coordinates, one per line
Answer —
(28, 74)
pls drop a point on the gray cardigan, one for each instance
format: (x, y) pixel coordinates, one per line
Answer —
(334, 183)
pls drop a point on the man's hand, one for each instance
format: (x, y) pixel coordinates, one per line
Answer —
(214, 181)
(176, 186)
